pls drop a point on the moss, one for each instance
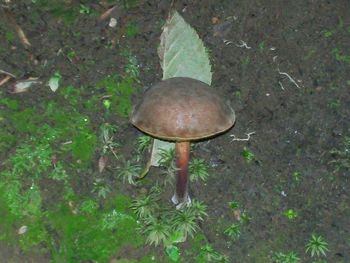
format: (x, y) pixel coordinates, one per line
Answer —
(120, 92)
(83, 146)
(25, 121)
(89, 238)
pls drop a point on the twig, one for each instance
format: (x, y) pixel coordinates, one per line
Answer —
(242, 139)
(107, 13)
(4, 80)
(7, 73)
(243, 44)
(22, 36)
(289, 77)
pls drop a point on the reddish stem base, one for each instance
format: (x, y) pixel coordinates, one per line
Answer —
(182, 159)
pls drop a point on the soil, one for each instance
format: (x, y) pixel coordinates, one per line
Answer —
(284, 66)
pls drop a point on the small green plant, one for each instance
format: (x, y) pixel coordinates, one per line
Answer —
(233, 204)
(129, 172)
(233, 231)
(111, 220)
(248, 155)
(101, 188)
(296, 175)
(334, 104)
(106, 137)
(317, 246)
(173, 252)
(209, 254)
(290, 257)
(89, 206)
(328, 33)
(156, 230)
(143, 142)
(198, 170)
(339, 56)
(145, 206)
(262, 46)
(167, 161)
(341, 157)
(198, 209)
(291, 214)
(184, 222)
(131, 29)
(167, 157)
(245, 218)
(84, 9)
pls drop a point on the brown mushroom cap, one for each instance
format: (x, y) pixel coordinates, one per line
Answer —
(182, 109)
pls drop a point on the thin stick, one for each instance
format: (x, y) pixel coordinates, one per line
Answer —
(242, 139)
(22, 36)
(4, 80)
(7, 73)
(289, 77)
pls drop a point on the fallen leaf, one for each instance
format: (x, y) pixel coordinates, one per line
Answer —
(22, 230)
(237, 214)
(23, 85)
(54, 81)
(102, 162)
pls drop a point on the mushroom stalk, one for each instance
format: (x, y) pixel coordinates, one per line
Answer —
(182, 159)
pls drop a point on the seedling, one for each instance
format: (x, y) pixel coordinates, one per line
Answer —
(167, 157)
(198, 170)
(328, 33)
(107, 104)
(291, 214)
(143, 142)
(145, 206)
(129, 172)
(156, 230)
(317, 246)
(198, 209)
(106, 137)
(234, 204)
(184, 222)
(208, 254)
(296, 176)
(84, 9)
(341, 157)
(101, 188)
(233, 231)
(290, 257)
(248, 155)
(245, 218)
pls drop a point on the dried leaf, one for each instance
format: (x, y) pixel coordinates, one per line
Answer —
(102, 162)
(23, 85)
(22, 230)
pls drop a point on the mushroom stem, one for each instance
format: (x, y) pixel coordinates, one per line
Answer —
(182, 159)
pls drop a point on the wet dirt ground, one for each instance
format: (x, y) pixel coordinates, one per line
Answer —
(284, 65)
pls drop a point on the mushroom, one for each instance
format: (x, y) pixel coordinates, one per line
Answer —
(182, 110)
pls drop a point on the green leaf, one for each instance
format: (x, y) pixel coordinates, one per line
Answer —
(182, 54)
(173, 252)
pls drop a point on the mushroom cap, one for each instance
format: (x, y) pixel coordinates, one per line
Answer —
(182, 109)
